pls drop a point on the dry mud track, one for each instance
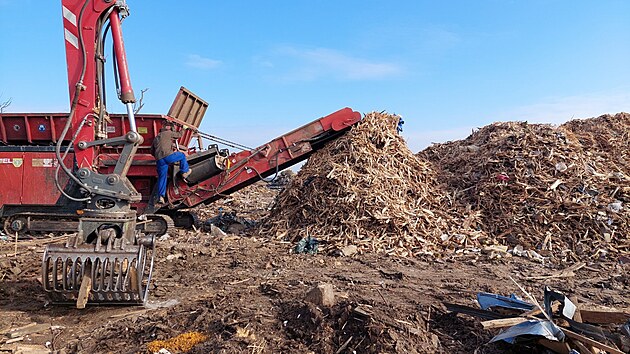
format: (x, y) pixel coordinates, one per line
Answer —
(246, 294)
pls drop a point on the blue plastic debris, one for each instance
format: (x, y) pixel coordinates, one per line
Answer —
(536, 328)
(488, 300)
(308, 245)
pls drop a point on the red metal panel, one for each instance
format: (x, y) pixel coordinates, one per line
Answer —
(41, 128)
(45, 128)
(32, 128)
(28, 177)
(147, 128)
(15, 128)
(115, 127)
(142, 165)
(144, 186)
(11, 172)
(59, 122)
(39, 178)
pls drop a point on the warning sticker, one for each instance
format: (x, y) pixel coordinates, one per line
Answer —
(111, 129)
(44, 162)
(143, 130)
(15, 161)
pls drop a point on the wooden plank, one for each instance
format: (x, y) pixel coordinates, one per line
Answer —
(582, 348)
(577, 317)
(14, 340)
(29, 330)
(604, 317)
(589, 341)
(30, 349)
(122, 315)
(86, 287)
(558, 347)
(11, 330)
(134, 279)
(564, 273)
(503, 322)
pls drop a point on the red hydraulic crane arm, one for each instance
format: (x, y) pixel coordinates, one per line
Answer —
(84, 22)
(247, 167)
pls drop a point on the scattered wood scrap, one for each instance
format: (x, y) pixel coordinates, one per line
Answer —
(563, 273)
(591, 342)
(503, 322)
(27, 329)
(604, 317)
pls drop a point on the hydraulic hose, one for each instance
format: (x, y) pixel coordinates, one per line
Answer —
(63, 158)
(75, 100)
(100, 51)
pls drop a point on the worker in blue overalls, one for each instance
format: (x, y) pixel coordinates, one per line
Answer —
(165, 155)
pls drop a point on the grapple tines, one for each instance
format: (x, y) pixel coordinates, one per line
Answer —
(114, 276)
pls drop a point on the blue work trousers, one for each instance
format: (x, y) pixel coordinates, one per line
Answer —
(162, 169)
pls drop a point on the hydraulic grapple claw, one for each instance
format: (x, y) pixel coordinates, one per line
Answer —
(106, 277)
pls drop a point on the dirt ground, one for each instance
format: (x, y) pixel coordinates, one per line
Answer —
(246, 294)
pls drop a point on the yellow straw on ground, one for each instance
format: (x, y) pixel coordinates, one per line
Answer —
(182, 343)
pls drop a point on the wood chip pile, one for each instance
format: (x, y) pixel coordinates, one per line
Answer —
(368, 189)
(563, 191)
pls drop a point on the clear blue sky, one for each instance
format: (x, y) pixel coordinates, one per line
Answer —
(268, 67)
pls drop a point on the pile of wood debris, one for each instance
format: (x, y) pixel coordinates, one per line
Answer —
(368, 189)
(559, 190)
